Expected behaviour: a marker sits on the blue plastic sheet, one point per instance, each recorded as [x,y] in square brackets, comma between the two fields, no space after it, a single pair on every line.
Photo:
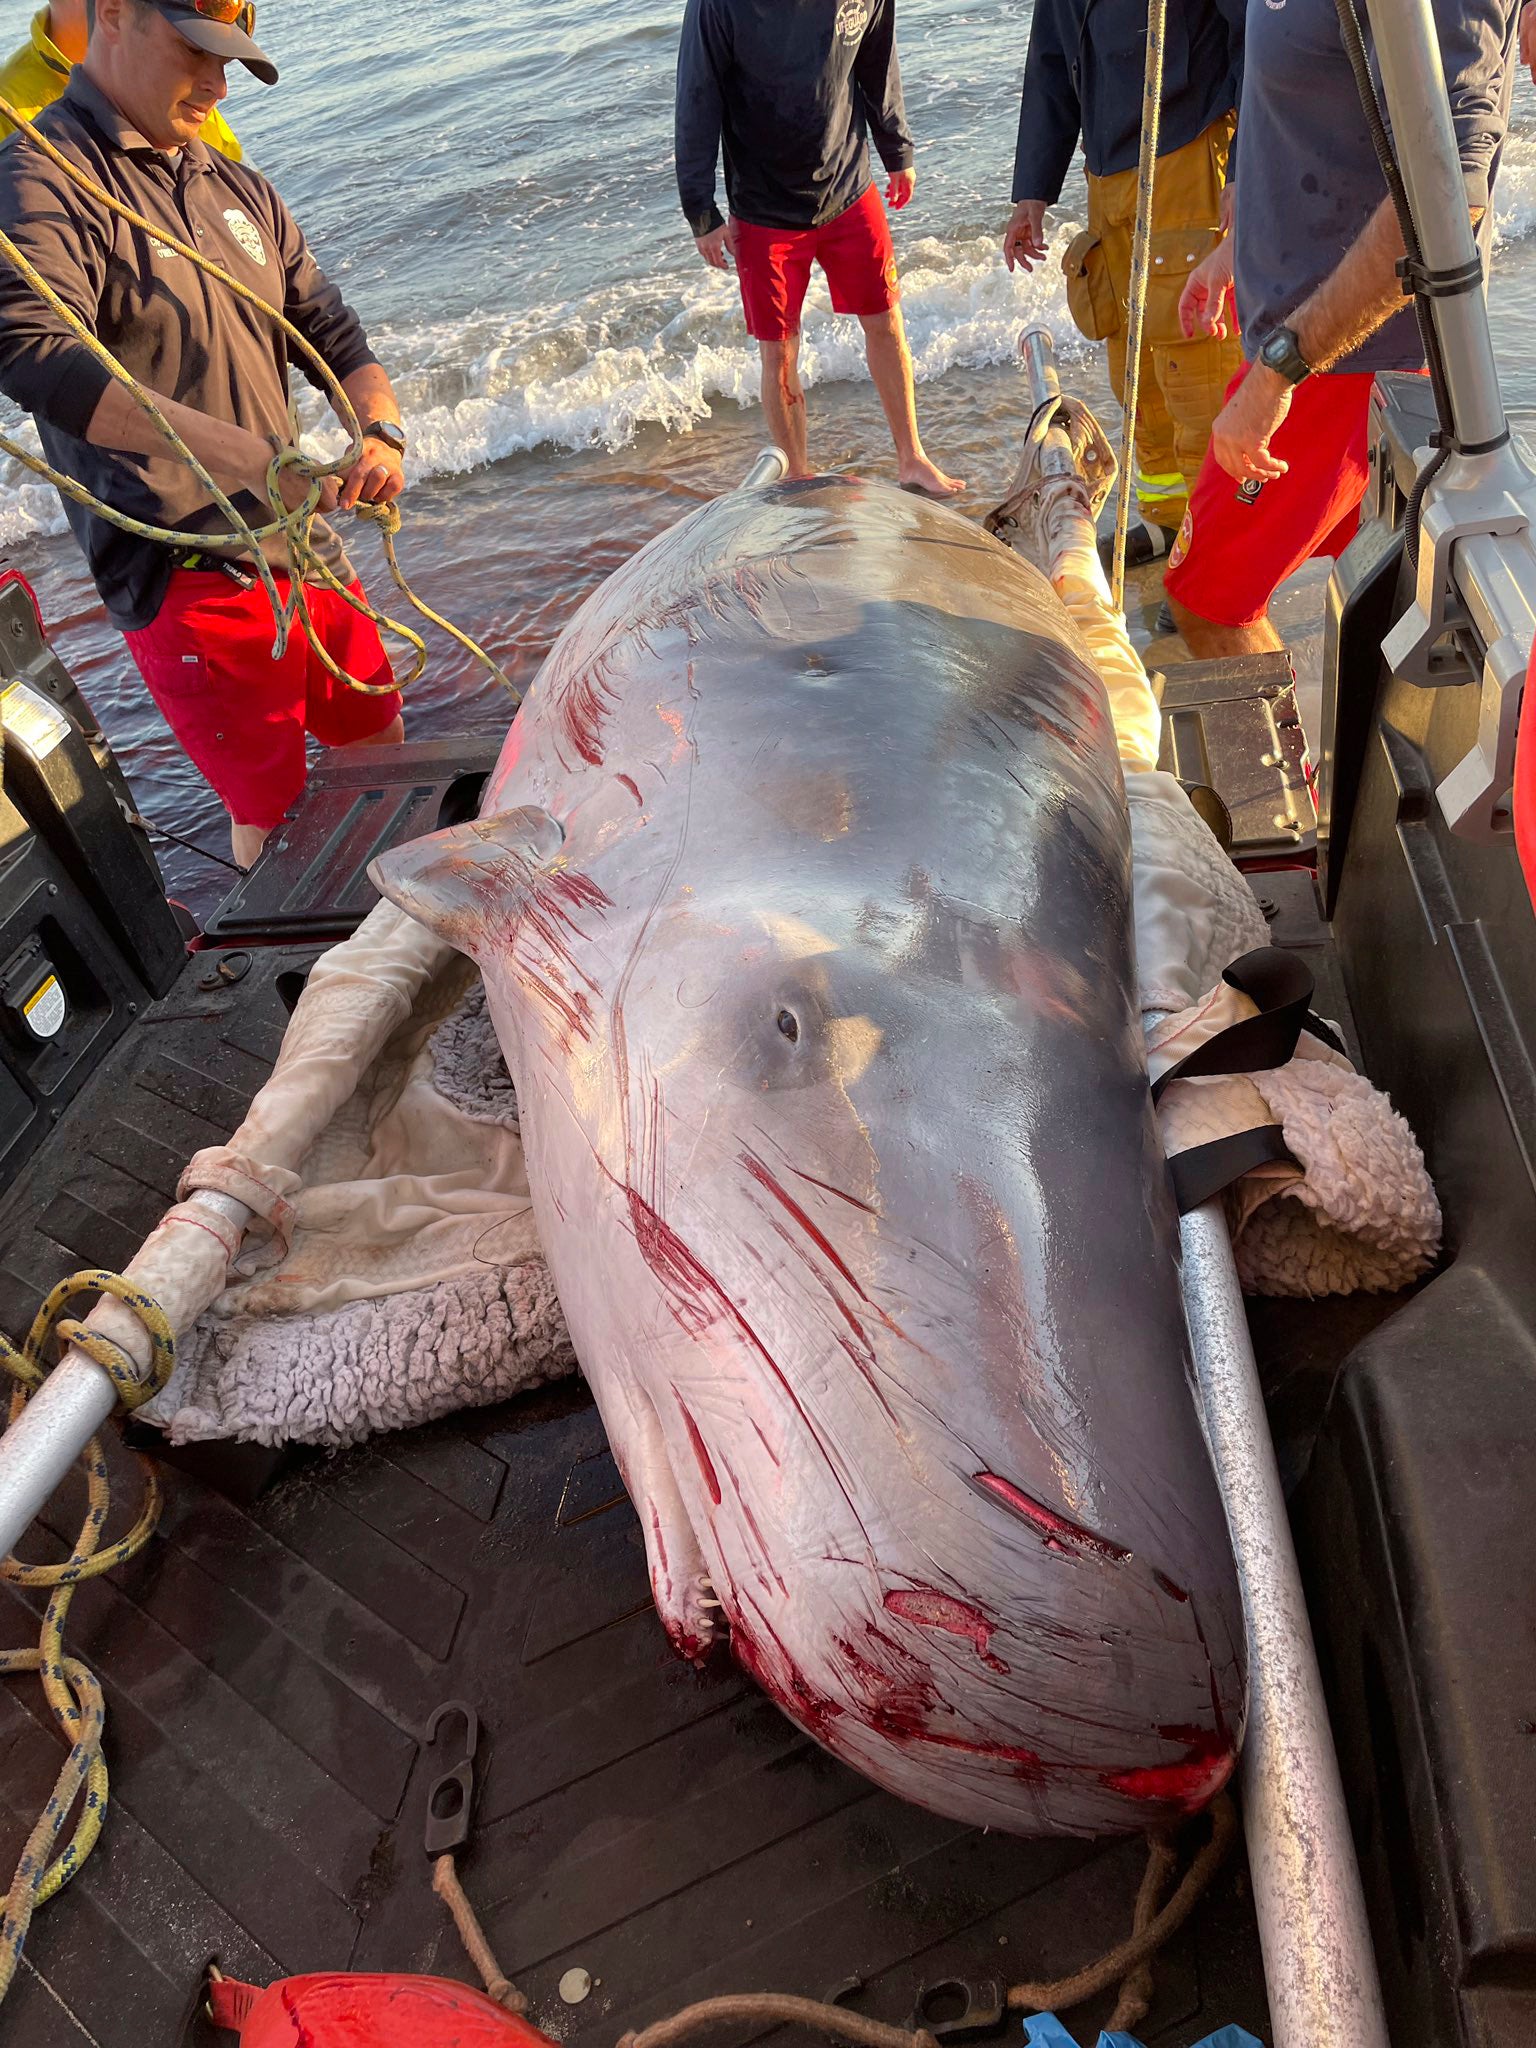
[1044,2030]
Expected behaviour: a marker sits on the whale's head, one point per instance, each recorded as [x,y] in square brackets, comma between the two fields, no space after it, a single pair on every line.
[821,1011]
[857,1210]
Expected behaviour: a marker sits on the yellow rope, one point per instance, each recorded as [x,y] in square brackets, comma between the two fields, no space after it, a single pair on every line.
[1151,118]
[293,526]
[73,1695]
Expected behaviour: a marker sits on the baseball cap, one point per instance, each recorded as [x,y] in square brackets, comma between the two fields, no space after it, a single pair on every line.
[222,28]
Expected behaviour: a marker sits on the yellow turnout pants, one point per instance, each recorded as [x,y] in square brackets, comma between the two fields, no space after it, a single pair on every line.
[1182,382]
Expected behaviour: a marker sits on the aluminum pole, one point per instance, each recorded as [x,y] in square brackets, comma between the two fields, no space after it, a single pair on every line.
[40,1446]
[1037,351]
[1318,1962]
[1413,82]
[769,468]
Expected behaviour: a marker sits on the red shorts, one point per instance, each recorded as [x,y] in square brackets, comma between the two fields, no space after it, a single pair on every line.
[1236,547]
[773,266]
[240,716]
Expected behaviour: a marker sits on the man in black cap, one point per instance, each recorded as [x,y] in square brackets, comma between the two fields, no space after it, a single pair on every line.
[199,627]
[33,76]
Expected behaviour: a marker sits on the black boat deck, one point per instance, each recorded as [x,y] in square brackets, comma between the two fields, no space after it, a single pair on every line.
[270,1669]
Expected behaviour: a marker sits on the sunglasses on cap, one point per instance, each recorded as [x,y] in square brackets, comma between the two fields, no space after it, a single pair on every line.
[240,14]
[223,29]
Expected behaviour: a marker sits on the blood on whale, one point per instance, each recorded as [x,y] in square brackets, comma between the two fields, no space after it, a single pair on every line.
[929,1608]
[1059,1532]
[701,1452]
[1189,1784]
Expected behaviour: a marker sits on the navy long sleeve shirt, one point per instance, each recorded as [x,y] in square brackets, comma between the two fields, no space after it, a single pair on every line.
[791,89]
[1083,77]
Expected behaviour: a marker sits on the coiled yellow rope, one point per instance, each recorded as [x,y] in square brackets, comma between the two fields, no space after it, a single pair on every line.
[293,526]
[73,1695]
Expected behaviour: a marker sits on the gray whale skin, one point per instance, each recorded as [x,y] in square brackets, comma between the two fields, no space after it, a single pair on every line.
[801,894]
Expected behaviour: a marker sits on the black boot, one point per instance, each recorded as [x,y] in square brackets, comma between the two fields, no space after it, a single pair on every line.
[1145,541]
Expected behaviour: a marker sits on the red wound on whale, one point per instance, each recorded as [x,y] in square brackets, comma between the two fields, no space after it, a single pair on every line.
[1188,1785]
[693,1291]
[584,705]
[1058,1531]
[929,1608]
[701,1452]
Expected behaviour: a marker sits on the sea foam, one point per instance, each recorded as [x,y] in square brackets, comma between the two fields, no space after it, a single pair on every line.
[591,373]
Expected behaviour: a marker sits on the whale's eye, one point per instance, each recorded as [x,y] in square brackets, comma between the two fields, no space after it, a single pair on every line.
[789,1024]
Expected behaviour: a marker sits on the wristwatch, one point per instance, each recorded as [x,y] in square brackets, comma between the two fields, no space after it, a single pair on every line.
[1280,351]
[391,433]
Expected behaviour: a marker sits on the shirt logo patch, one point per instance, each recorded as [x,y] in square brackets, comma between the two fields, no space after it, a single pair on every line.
[1180,547]
[246,234]
[852,19]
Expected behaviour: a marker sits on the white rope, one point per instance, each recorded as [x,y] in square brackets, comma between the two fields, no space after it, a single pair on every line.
[1151,117]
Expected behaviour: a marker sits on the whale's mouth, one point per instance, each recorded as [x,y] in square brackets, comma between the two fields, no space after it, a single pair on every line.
[682,1586]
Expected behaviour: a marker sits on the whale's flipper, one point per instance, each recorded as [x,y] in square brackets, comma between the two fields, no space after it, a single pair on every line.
[464,883]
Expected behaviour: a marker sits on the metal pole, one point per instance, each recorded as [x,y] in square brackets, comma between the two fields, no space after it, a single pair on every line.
[1318,1961]
[1038,353]
[1413,82]
[46,1438]
[40,1446]
[769,468]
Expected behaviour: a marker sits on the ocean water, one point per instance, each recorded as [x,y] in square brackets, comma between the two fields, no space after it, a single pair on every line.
[492,185]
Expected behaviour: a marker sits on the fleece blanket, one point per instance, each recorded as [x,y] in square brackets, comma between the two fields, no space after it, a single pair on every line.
[399,1276]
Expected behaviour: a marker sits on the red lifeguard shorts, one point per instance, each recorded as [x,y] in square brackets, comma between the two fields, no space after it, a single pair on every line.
[240,716]
[1237,546]
[773,267]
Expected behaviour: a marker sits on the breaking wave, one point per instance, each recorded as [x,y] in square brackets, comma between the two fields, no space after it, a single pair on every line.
[1514,193]
[592,373]
[663,352]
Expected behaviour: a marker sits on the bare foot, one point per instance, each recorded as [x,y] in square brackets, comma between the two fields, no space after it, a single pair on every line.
[928,480]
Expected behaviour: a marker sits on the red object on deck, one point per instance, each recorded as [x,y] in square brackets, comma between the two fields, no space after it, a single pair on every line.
[1525,782]
[8,576]
[339,2010]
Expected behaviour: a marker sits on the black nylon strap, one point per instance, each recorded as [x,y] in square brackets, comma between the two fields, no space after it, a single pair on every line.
[1321,1028]
[1204,1170]
[1281,985]
[1422,282]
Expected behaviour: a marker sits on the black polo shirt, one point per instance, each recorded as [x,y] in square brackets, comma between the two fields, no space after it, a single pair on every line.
[180,333]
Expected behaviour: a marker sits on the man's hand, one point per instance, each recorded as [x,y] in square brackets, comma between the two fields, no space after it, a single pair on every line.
[1528,36]
[718,246]
[1206,298]
[376,478]
[899,190]
[1241,432]
[1024,237]
[293,487]
[1226,207]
